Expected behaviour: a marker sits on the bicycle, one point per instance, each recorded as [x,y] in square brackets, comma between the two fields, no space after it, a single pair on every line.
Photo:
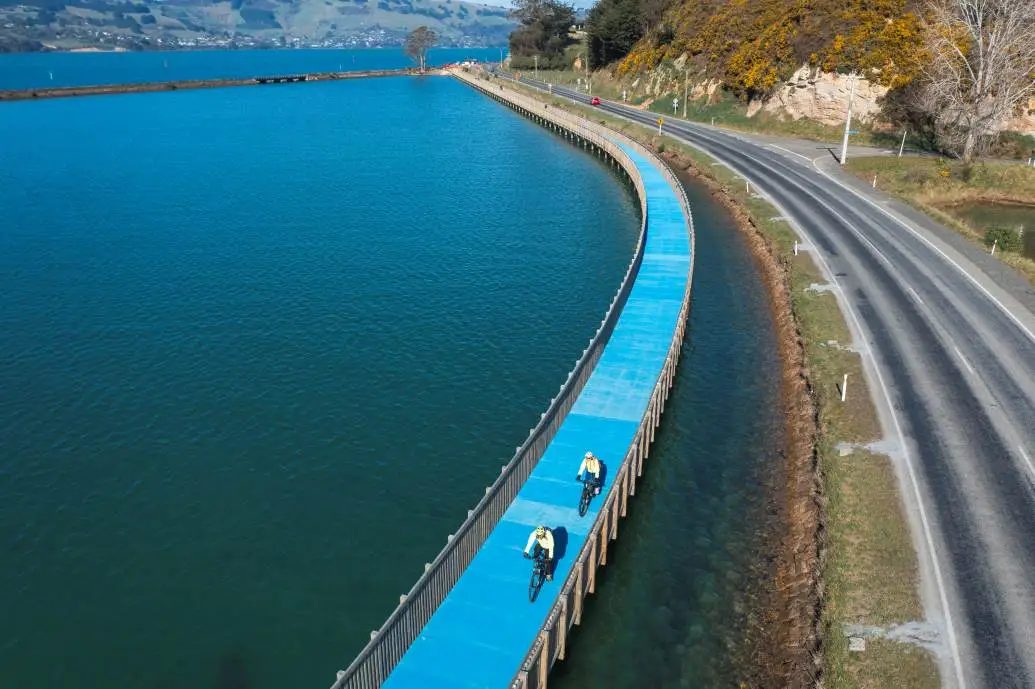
[538,574]
[589,489]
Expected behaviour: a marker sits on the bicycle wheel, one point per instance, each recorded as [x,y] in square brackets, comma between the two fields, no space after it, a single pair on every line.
[584,501]
[536,584]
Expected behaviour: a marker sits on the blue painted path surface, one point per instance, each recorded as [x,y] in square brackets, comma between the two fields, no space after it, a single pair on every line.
[480,634]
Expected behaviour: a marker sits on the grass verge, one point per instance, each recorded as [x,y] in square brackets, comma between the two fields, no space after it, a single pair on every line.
[869,567]
[936,187]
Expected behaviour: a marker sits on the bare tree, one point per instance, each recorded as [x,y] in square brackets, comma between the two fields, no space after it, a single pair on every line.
[982,66]
[417,44]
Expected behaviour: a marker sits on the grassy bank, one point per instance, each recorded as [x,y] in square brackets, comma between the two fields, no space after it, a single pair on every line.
[869,567]
[934,186]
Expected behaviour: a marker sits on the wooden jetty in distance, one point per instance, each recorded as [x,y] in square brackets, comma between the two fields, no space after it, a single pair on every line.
[108,89]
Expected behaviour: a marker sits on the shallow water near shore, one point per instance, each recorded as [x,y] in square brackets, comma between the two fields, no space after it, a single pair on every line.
[984,216]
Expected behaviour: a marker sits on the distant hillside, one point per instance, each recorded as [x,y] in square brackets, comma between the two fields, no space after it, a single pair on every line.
[166,24]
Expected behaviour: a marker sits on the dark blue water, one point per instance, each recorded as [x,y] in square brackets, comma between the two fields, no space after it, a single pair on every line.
[260,350]
[45,70]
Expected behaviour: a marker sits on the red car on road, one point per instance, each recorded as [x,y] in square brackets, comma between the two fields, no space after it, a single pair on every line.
[595,101]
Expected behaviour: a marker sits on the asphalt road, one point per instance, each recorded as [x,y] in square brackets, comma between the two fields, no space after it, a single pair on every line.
[950,355]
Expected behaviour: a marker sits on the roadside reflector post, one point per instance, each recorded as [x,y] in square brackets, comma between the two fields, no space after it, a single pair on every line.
[844,387]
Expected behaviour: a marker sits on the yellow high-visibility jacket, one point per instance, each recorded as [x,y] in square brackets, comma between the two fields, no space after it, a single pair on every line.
[592,465]
[546,543]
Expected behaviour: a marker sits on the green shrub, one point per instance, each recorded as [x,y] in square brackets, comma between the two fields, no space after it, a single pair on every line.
[1006,238]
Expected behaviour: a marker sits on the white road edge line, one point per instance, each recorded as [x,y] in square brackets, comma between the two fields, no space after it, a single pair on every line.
[950,629]
[805,158]
[1027,460]
[963,359]
[929,243]
[915,295]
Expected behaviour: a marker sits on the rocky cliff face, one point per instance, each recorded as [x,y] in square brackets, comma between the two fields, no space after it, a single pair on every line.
[1025,121]
[809,94]
[822,97]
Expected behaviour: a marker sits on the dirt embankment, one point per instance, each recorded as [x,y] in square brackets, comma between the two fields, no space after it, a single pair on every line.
[786,650]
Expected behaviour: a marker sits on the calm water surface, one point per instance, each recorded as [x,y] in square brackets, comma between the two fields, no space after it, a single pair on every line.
[44,70]
[985,216]
[260,350]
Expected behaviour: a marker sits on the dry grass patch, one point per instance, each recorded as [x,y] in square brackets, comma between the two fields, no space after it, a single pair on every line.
[876,542]
[891,664]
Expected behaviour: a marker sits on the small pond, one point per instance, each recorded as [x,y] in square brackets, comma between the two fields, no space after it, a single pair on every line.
[983,216]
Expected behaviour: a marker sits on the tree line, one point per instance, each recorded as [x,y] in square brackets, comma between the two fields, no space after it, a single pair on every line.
[542,35]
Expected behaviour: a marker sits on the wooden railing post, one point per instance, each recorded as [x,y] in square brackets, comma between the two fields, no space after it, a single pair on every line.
[625,492]
[579,592]
[562,630]
[544,659]
[593,567]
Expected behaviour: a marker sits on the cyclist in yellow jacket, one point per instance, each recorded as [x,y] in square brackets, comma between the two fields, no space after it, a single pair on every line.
[542,539]
[590,465]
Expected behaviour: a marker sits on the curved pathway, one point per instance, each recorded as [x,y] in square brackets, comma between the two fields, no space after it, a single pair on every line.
[482,632]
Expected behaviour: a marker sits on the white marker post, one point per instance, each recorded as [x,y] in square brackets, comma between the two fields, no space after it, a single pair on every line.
[874,185]
[844,387]
[848,121]
[995,243]
[902,145]
[795,247]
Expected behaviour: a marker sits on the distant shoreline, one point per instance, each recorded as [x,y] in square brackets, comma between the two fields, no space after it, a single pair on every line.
[116,49]
[110,89]
[51,48]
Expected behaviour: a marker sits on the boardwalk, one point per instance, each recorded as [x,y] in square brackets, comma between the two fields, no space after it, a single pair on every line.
[482,632]
[468,622]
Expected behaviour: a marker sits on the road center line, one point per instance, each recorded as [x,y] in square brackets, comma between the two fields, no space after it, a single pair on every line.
[805,158]
[963,359]
[1027,460]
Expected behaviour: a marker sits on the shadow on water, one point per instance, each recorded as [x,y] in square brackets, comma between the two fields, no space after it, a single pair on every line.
[232,673]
